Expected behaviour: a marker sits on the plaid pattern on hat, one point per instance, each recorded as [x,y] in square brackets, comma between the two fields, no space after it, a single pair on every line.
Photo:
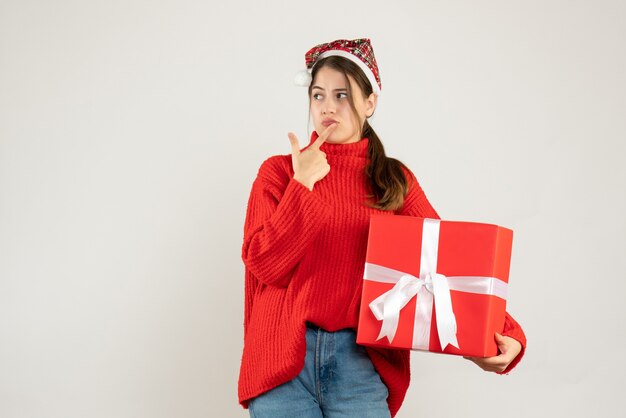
[358,50]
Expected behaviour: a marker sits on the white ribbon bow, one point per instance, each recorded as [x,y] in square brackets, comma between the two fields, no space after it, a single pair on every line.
[387,307]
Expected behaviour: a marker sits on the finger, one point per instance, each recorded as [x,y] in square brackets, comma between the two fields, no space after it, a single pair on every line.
[477,361]
[324,135]
[472,359]
[503,343]
[492,363]
[295,145]
[495,360]
[494,369]
[498,365]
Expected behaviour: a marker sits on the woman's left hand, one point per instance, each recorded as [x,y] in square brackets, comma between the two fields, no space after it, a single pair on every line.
[509,349]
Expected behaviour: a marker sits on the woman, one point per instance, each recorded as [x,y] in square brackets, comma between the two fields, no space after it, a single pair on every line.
[305,239]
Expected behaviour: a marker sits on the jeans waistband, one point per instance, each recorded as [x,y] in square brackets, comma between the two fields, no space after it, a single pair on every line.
[316,328]
[313,326]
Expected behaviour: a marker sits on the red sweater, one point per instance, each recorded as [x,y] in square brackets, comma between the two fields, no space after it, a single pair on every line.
[304,256]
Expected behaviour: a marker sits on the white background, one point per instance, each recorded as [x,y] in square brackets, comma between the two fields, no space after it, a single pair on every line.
[131,132]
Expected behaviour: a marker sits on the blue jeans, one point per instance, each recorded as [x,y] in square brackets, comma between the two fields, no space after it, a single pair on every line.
[338,381]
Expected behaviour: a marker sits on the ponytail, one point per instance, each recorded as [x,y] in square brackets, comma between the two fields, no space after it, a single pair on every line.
[387,181]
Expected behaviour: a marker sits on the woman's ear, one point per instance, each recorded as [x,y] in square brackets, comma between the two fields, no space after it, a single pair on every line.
[370,104]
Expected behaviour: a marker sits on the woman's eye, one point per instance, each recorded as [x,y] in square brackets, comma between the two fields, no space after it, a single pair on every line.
[339,95]
[316,96]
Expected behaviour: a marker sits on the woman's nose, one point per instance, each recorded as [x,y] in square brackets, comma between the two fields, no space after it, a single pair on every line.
[328,108]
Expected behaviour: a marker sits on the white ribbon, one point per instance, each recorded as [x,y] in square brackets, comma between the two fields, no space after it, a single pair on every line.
[431,287]
[387,307]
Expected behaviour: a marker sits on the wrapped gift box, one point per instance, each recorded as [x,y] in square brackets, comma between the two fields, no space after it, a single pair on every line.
[418,269]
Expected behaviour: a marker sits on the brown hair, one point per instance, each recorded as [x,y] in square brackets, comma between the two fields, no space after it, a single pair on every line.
[388,184]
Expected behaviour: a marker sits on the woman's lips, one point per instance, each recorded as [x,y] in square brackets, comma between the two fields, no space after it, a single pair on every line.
[328,122]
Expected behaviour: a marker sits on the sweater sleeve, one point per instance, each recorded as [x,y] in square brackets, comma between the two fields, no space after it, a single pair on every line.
[279,225]
[514,330]
[416,204]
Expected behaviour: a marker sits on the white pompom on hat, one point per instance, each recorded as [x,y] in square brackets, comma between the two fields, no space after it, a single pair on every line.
[359,51]
[303,78]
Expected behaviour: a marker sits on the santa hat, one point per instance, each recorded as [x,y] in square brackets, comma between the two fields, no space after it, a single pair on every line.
[358,51]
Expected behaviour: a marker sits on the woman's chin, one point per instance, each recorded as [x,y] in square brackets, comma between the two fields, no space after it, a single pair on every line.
[335,137]
[333,140]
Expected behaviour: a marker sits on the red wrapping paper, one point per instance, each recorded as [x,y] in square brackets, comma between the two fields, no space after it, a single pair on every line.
[464,249]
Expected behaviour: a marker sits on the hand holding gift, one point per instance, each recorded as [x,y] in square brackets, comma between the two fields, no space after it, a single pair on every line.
[508,347]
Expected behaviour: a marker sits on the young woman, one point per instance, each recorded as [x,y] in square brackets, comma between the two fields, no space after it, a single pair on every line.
[304,247]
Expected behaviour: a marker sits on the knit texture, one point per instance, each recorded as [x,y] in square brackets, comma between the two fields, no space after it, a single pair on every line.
[304,256]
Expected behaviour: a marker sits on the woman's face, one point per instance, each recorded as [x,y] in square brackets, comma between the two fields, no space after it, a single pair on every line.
[329,101]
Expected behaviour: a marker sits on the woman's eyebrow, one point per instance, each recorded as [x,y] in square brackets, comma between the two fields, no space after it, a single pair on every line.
[318,87]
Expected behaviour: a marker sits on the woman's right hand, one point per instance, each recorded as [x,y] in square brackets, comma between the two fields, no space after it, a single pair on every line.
[310,165]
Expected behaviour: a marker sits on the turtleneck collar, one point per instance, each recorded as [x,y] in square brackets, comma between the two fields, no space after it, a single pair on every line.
[354,149]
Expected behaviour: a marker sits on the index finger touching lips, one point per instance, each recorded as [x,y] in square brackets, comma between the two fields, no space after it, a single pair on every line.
[324,135]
